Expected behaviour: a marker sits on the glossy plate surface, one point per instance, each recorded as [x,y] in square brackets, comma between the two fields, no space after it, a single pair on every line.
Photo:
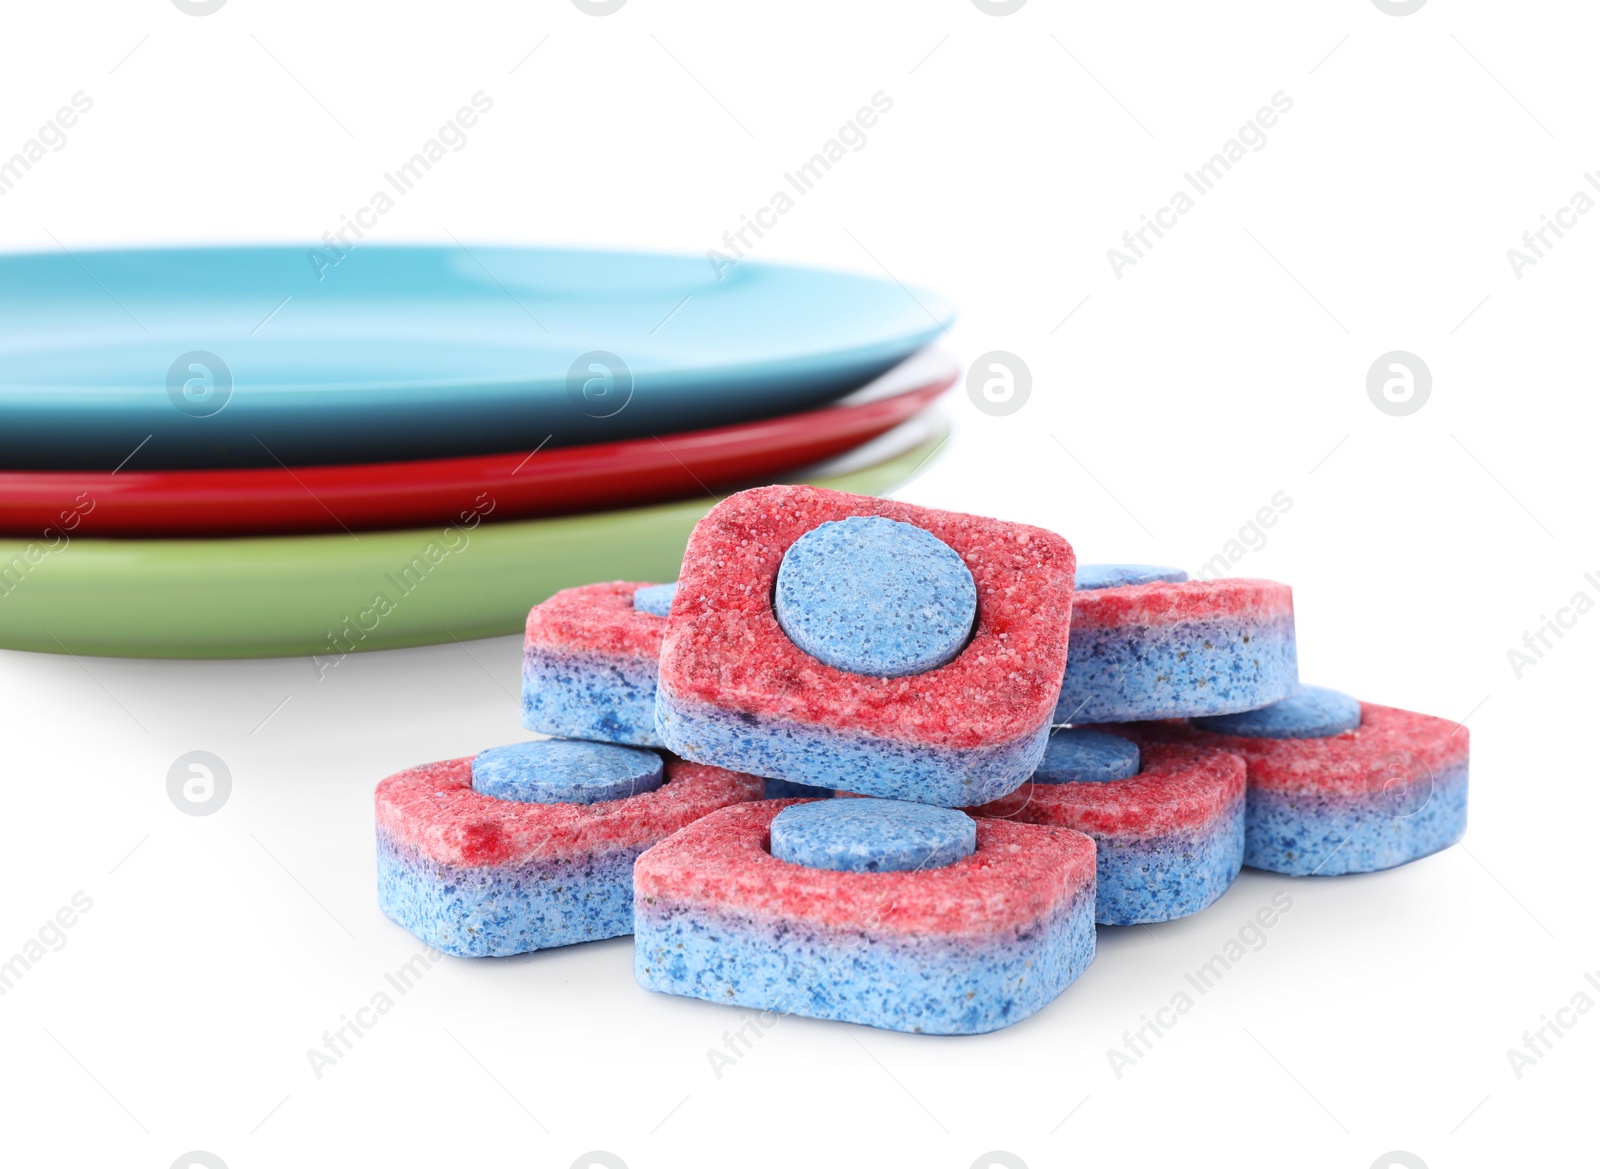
[522,484]
[255,356]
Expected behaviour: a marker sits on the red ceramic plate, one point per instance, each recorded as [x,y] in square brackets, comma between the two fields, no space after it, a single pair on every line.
[519,485]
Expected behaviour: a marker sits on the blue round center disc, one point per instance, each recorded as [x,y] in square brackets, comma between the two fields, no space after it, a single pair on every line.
[1313,712]
[565,771]
[875,596]
[1075,755]
[872,836]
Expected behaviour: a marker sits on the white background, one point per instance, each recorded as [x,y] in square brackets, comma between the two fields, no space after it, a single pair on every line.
[1172,403]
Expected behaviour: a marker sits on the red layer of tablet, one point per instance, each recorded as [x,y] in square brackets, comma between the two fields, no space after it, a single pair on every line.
[434,810]
[724,646]
[1389,744]
[1179,788]
[1166,603]
[599,618]
[1019,874]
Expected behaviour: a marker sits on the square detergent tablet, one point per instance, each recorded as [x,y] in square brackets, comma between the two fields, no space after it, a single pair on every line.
[1167,819]
[1340,786]
[530,846]
[866,645]
[901,916]
[589,662]
[1148,643]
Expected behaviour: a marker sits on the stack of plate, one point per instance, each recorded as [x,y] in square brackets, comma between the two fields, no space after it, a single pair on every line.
[231,452]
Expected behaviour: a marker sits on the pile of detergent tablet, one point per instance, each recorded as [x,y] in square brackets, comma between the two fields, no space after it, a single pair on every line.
[1036,747]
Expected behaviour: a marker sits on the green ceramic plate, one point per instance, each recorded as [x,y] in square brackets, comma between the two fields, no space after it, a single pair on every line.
[328,595]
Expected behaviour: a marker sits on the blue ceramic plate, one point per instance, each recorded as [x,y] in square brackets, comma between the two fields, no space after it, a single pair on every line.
[251,356]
